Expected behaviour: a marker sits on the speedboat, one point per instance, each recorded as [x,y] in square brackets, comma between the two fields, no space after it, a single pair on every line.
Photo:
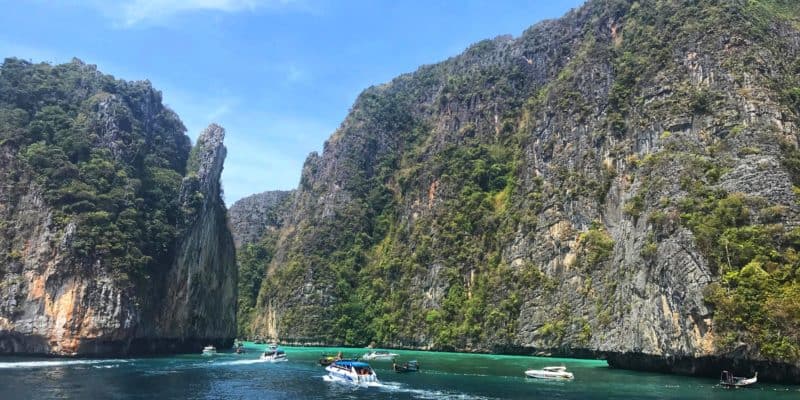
[326,360]
[379,355]
[274,354]
[411,366]
[727,379]
[352,372]
[549,373]
[238,347]
[209,350]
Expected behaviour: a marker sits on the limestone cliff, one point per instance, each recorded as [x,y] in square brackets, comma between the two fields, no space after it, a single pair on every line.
[104,249]
[256,222]
[201,299]
[252,216]
[620,183]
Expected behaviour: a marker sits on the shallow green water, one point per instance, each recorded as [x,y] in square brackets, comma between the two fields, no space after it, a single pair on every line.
[442,376]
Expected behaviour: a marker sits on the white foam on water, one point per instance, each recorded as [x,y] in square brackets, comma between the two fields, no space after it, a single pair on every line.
[105,366]
[396,387]
[429,394]
[241,362]
[435,372]
[54,363]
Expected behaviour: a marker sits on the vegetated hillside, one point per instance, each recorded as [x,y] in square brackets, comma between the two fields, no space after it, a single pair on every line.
[255,222]
[621,181]
[110,242]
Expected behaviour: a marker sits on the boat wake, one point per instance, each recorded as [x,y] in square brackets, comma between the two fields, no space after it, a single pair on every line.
[55,363]
[327,378]
[429,394]
[395,387]
[243,362]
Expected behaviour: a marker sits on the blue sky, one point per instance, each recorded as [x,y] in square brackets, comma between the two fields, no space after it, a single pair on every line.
[279,75]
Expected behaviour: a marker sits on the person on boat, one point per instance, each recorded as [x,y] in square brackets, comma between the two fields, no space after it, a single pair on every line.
[339,355]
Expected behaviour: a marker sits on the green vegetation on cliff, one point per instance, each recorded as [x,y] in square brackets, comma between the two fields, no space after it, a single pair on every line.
[107,156]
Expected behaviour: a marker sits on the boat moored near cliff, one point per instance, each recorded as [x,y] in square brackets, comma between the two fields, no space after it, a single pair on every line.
[549,373]
[728,380]
[209,350]
[379,355]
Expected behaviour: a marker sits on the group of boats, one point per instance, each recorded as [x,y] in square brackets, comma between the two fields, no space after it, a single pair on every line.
[356,371]
[359,372]
[272,354]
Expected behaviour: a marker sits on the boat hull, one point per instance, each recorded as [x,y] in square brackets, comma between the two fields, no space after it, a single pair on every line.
[411,366]
[349,376]
[379,356]
[209,351]
[538,374]
[728,380]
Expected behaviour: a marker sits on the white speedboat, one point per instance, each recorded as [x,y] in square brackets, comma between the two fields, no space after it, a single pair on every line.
[728,380]
[352,372]
[274,354]
[549,373]
[379,355]
[209,350]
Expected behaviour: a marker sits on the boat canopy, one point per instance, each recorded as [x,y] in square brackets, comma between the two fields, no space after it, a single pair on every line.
[349,363]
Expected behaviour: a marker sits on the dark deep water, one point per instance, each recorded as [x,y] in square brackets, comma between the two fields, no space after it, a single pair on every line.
[442,376]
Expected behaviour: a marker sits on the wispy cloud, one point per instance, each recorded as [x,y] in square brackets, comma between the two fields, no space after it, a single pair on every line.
[221,110]
[130,13]
[289,73]
[296,74]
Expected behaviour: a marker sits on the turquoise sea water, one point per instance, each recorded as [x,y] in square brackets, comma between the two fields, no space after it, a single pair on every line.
[442,376]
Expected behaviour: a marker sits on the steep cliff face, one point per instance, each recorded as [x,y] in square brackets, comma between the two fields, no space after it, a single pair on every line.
[251,217]
[256,223]
[201,299]
[618,182]
[99,247]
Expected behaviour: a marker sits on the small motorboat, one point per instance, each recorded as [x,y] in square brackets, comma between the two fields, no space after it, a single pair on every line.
[411,366]
[209,350]
[549,373]
[326,360]
[238,347]
[379,355]
[274,354]
[728,380]
[352,372]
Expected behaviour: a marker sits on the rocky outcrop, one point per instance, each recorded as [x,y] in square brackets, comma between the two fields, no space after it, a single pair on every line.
[620,182]
[104,250]
[252,216]
[201,299]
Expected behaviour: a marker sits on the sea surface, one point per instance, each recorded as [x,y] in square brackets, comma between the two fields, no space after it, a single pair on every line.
[442,376]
